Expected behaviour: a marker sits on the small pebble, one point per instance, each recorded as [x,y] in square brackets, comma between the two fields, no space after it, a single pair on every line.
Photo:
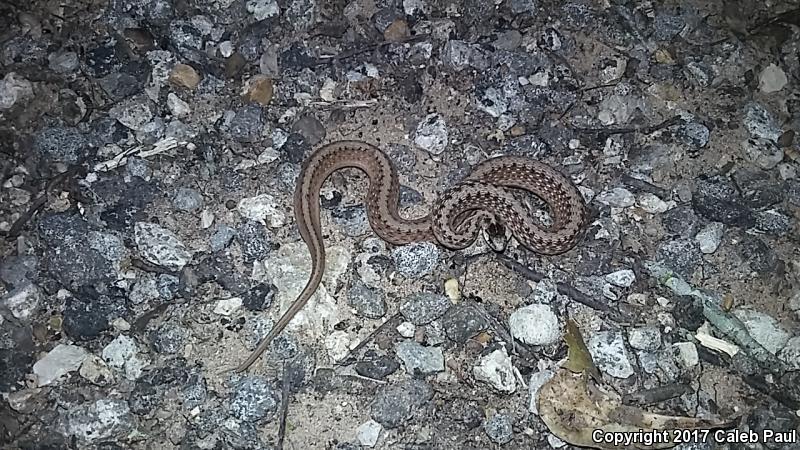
[417,358]
[497,370]
[535,325]
[184,75]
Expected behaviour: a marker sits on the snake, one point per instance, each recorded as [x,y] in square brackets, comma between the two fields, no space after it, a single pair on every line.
[484,196]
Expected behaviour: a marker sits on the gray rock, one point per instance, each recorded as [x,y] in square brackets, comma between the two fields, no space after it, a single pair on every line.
[462,322]
[376,367]
[666,26]
[221,238]
[194,393]
[609,353]
[710,237]
[762,152]
[63,62]
[62,144]
[169,338]
[395,403]
[187,199]
[367,302]
[522,6]
[535,325]
[431,134]
[255,240]
[680,255]
[421,308]
[499,429]
[254,399]
[417,358]
[773,222]
[160,246]
[310,128]
[694,134]
[718,200]
[247,124]
[645,338]
[760,123]
[134,112]
[13,89]
[17,271]
[416,260]
[759,256]
[60,361]
[103,419]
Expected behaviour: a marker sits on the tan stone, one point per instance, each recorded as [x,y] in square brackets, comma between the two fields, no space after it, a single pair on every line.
[185,76]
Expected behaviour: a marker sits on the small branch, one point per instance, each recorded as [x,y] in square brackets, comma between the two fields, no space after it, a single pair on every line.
[284,407]
[348,359]
[675,120]
[644,186]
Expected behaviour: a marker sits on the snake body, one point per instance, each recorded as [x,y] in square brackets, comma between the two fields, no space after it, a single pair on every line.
[455,221]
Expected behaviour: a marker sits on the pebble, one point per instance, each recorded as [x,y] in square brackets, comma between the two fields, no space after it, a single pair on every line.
[185,76]
[421,308]
[680,255]
[255,240]
[645,338]
[431,134]
[23,301]
[254,399]
[259,89]
[134,113]
[687,355]
[397,31]
[14,88]
[762,152]
[123,353]
[87,316]
[760,123]
[102,420]
[18,271]
[617,197]
[773,222]
[497,370]
[247,124]
[368,433]
[651,204]
[160,246]
[621,278]
[709,238]
[63,62]
[370,303]
[394,403]
[764,329]
[60,361]
[535,325]
[95,370]
[416,260]
[262,207]
[377,368]
[538,379]
[790,354]
[718,200]
[312,130]
[462,322]
[228,306]
[499,428]
[187,199]
[61,144]
[417,358]
[772,79]
[609,353]
[178,107]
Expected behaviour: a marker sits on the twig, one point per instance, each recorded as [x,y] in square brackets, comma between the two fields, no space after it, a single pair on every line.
[345,104]
[121,159]
[347,360]
[675,120]
[562,288]
[284,407]
[644,186]
[366,48]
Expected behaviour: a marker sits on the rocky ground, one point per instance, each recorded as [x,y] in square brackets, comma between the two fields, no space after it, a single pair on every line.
[150,148]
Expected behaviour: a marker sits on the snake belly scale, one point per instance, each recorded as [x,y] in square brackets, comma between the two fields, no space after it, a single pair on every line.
[456,219]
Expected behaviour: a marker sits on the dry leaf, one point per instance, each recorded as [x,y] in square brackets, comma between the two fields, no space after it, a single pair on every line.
[578,357]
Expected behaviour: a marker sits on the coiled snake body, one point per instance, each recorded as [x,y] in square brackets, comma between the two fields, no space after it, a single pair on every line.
[457,216]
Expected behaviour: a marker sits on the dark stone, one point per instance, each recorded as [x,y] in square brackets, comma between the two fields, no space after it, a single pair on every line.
[758,255]
[87,314]
[718,200]
[259,297]
[376,367]
[394,403]
[461,322]
[295,148]
[680,221]
[255,241]
[681,255]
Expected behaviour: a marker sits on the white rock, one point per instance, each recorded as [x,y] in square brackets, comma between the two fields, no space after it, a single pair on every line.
[96,371]
[710,237]
[23,301]
[123,353]
[617,197]
[609,354]
[621,278]
[14,88]
[20,400]
[431,134]
[368,433]
[651,203]
[538,379]
[262,207]
[160,246]
[790,354]
[496,370]
[338,345]
[226,49]
[262,9]
[178,107]
[406,329]
[772,79]
[60,361]
[687,354]
[764,329]
[227,306]
[535,325]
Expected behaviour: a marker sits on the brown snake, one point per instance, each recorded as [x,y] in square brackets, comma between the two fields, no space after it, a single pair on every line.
[458,215]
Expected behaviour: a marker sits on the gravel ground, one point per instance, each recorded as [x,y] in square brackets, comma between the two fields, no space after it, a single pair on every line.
[148,153]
